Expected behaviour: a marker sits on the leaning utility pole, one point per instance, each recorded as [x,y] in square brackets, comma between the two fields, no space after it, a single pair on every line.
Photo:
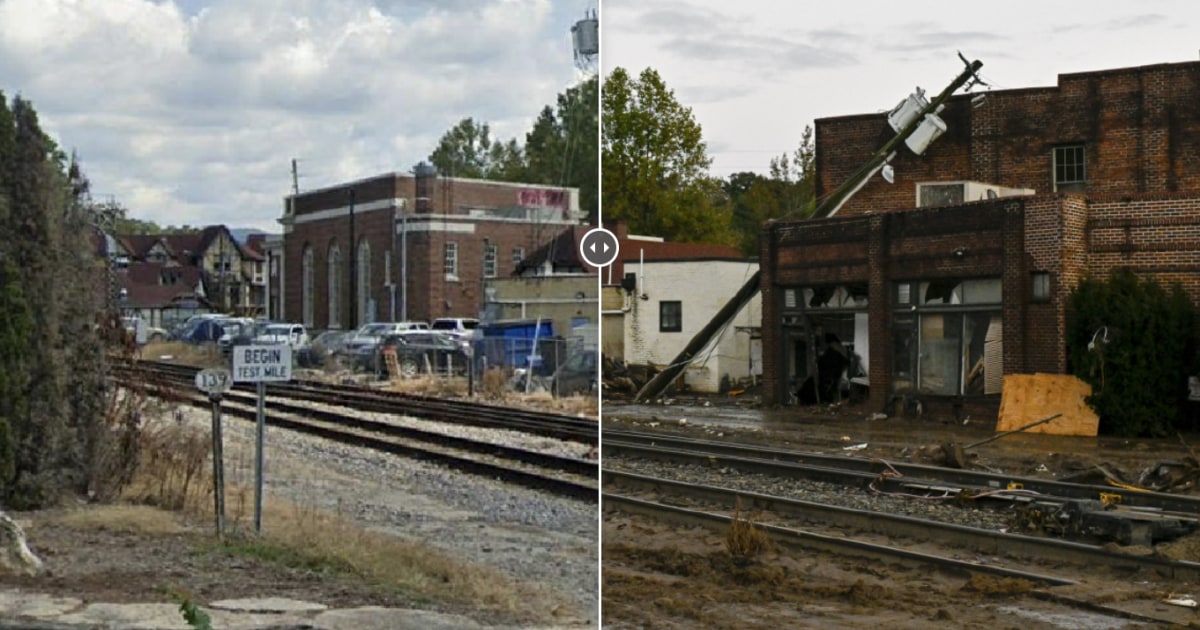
[832,203]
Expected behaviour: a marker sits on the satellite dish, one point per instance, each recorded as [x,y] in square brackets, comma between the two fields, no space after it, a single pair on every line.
[889,174]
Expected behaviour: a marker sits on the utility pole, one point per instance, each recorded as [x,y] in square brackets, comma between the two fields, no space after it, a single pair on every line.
[838,197]
[832,203]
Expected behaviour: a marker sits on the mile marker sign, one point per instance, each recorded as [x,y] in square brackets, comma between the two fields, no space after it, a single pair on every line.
[258,364]
[214,381]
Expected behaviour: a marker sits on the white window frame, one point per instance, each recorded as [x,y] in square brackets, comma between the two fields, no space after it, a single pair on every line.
[450,260]
[1074,172]
[362,277]
[491,254]
[307,272]
[333,267]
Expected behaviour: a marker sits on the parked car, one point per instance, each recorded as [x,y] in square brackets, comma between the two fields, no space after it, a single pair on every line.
[239,331]
[186,328]
[293,335]
[359,350]
[579,374]
[418,352]
[206,330]
[321,348]
[141,331]
[460,327]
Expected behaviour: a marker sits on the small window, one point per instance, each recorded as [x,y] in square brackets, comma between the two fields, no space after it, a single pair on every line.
[1070,168]
[670,316]
[518,255]
[450,260]
[1041,286]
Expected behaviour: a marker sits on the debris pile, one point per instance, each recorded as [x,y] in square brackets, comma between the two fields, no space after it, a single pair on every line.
[623,378]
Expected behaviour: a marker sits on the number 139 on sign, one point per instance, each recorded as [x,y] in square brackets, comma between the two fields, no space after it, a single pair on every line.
[214,381]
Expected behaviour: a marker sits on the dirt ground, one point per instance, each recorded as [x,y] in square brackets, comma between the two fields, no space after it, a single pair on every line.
[156,553]
[659,576]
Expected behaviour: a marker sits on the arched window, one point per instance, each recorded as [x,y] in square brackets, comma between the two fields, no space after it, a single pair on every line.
[363,291]
[306,274]
[334,267]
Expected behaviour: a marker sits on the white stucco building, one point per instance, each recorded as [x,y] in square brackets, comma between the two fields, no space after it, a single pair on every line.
[666,293]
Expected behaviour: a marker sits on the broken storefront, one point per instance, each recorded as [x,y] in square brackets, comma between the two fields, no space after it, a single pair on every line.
[905,308]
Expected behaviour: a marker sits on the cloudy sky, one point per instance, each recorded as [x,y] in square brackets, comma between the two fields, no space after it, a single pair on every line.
[755,72]
[190,111]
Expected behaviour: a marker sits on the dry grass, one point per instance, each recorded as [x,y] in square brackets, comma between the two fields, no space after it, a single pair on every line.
[745,539]
[427,385]
[176,472]
[173,467]
[136,519]
[205,355]
[493,384]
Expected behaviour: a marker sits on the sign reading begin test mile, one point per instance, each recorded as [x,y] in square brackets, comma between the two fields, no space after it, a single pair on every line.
[252,364]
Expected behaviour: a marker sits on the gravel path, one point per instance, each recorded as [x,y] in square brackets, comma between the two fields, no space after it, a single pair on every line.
[532,536]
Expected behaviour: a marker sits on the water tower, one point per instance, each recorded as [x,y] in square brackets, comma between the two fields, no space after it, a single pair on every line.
[585,37]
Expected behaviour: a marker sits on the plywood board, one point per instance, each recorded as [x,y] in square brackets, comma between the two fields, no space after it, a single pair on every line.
[993,358]
[1031,397]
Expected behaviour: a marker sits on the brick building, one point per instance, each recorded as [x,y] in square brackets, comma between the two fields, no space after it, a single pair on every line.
[416,247]
[937,285]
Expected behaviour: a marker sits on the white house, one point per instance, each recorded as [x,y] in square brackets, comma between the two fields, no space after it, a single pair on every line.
[667,293]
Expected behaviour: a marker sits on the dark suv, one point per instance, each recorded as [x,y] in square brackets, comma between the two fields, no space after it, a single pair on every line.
[422,352]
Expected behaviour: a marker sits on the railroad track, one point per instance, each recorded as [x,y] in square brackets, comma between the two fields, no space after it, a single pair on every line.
[1066,572]
[565,476]
[1121,514]
[557,426]
[1075,576]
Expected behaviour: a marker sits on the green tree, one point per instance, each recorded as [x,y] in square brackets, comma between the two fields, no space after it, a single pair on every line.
[796,178]
[1134,343]
[468,150]
[561,149]
[787,191]
[53,387]
[655,173]
[16,323]
[35,196]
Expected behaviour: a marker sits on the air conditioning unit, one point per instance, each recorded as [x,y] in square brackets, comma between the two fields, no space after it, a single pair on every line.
[959,192]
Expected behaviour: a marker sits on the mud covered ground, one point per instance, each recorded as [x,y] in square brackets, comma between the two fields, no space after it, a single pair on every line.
[659,576]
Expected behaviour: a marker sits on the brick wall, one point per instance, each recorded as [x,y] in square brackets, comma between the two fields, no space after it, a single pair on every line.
[880,250]
[1067,236]
[378,202]
[1140,127]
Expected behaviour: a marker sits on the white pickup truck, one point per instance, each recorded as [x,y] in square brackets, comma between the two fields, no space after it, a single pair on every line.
[293,335]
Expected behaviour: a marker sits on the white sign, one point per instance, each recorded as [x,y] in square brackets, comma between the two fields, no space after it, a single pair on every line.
[214,381]
[253,364]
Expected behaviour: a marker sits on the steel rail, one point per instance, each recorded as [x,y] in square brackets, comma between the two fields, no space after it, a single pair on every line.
[849,547]
[625,441]
[572,478]
[1016,547]
[558,426]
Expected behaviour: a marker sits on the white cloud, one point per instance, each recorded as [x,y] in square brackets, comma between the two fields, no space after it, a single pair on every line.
[190,112]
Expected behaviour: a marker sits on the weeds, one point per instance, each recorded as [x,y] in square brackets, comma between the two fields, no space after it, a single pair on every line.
[745,539]
[175,473]
[193,615]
